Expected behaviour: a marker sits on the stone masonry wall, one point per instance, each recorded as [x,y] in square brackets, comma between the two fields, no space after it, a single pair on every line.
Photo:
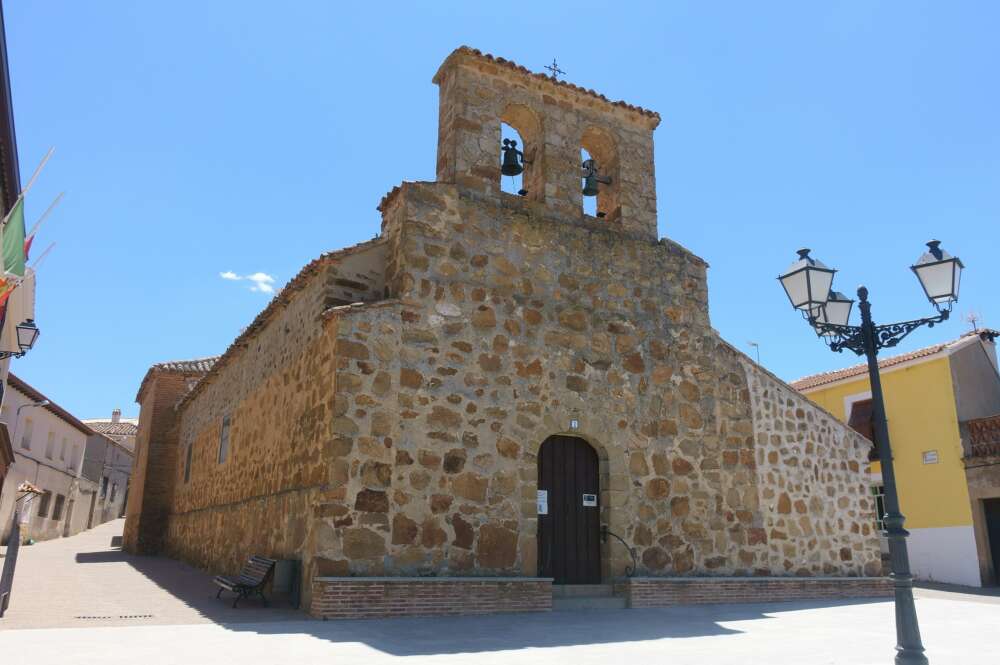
[509,327]
[152,483]
[818,513]
[276,386]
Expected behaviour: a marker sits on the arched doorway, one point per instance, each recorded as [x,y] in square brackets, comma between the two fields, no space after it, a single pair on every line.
[569,523]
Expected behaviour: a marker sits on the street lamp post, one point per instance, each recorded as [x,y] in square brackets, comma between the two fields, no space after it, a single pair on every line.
[807,284]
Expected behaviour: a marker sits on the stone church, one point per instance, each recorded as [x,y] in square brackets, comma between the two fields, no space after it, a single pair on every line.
[501,392]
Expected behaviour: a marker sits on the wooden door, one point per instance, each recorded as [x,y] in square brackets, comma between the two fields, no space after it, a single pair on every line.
[991,507]
[569,548]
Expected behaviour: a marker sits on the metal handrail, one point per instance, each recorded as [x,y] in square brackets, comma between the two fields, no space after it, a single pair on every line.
[629,570]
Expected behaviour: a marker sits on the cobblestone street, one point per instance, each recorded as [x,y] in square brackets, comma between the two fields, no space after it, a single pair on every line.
[79,596]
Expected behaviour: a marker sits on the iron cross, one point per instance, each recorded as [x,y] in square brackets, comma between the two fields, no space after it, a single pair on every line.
[554,69]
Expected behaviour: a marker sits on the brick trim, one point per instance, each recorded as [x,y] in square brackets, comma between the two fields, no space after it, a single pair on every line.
[378,597]
[665,591]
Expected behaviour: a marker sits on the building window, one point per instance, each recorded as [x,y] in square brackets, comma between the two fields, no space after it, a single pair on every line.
[861,420]
[43,504]
[187,463]
[104,487]
[62,451]
[58,508]
[114,490]
[29,426]
[878,494]
[50,445]
[73,452]
[224,440]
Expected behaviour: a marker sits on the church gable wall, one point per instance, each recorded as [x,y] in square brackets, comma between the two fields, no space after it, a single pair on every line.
[510,328]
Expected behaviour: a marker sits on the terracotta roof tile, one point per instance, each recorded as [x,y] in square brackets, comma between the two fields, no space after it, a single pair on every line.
[121,428]
[193,365]
[823,378]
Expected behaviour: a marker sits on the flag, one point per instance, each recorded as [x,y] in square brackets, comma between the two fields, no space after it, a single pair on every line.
[13,240]
[27,245]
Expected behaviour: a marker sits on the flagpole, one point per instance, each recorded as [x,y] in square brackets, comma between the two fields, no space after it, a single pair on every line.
[34,177]
[45,214]
[34,266]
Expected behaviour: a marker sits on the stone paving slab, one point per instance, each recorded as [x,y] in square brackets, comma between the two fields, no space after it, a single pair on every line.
[61,580]
[83,581]
[855,633]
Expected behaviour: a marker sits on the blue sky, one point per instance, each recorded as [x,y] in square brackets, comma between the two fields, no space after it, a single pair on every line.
[197,138]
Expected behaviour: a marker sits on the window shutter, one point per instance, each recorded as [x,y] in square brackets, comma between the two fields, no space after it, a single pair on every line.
[861,421]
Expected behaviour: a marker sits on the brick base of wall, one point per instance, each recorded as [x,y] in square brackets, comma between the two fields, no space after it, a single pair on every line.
[373,597]
[664,591]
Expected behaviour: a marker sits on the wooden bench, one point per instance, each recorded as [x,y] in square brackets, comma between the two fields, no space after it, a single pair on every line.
[256,573]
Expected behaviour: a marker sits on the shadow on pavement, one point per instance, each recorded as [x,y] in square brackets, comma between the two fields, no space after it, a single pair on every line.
[450,634]
[470,634]
[194,588]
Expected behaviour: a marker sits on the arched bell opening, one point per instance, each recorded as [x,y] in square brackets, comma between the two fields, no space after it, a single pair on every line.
[511,161]
[570,508]
[600,174]
[520,124]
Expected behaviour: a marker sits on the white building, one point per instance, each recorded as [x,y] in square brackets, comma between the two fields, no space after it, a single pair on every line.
[49,445]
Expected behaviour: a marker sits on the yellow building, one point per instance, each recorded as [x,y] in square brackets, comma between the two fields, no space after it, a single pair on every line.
[930,394]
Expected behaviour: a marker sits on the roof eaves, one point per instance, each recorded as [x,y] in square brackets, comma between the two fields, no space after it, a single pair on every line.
[33,393]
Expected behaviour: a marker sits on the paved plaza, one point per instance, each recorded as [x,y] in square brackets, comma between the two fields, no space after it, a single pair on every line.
[78,599]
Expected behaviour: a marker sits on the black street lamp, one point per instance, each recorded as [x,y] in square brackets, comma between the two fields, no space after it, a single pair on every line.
[27,334]
[807,284]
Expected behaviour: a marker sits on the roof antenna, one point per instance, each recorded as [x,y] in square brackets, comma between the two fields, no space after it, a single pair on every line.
[973,319]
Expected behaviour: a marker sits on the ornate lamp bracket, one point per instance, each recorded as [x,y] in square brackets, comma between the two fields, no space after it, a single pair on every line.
[887,336]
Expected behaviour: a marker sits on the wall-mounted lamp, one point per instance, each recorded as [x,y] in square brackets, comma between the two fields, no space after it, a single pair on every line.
[27,335]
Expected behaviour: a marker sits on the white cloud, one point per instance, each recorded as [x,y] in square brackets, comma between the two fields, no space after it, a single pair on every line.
[261,281]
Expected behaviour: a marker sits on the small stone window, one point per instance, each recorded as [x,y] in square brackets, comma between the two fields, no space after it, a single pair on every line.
[57,510]
[50,445]
[224,440]
[187,463]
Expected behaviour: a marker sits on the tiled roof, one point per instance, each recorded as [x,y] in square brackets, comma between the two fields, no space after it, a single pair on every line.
[120,428]
[193,365]
[503,62]
[823,378]
[35,395]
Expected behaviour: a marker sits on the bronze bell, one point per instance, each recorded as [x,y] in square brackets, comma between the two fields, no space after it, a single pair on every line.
[591,179]
[512,158]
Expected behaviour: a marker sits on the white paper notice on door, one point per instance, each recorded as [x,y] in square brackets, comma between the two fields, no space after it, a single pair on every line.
[589,500]
[543,502]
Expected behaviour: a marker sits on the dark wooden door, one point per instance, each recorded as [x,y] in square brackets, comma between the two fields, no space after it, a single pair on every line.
[992,509]
[569,548]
